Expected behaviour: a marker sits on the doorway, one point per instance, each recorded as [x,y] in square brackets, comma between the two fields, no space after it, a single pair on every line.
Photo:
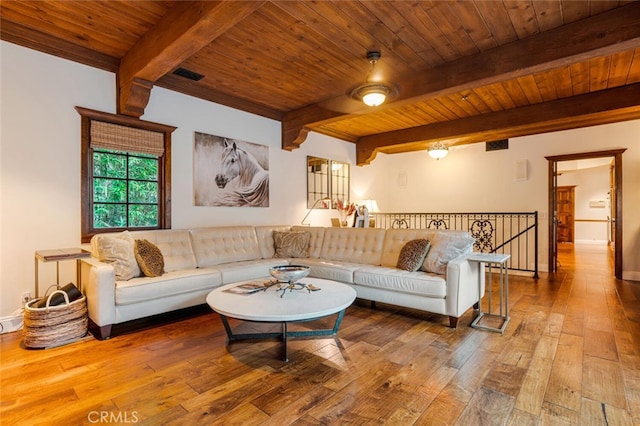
[615,197]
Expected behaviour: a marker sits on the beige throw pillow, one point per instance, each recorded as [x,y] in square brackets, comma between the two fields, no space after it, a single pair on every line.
[149,258]
[291,243]
[412,255]
[116,249]
[445,248]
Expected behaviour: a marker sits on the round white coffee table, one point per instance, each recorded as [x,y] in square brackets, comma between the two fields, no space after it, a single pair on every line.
[275,306]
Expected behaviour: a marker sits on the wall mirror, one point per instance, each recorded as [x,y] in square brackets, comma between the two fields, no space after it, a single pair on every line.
[317,182]
[339,186]
[326,179]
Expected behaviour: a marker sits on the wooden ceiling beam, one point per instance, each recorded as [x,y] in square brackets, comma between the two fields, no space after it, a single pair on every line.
[607,33]
[180,33]
[177,84]
[603,107]
[22,35]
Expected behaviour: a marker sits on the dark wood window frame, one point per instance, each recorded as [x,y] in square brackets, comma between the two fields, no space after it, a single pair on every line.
[86,173]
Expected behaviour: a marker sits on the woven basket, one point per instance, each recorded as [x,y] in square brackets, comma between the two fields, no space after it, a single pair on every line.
[54,325]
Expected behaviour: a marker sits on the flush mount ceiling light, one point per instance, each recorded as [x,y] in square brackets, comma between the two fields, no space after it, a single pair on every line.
[438,150]
[372,93]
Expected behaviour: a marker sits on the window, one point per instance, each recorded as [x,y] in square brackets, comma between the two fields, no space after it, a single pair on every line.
[125,190]
[126,170]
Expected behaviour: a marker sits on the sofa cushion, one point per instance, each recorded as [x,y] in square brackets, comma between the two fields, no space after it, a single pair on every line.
[419,283]
[149,258]
[169,284]
[265,239]
[444,248]
[291,244]
[116,249]
[175,245]
[248,269]
[412,254]
[330,269]
[214,246]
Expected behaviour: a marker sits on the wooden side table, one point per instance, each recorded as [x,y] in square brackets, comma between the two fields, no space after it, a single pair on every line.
[500,260]
[59,255]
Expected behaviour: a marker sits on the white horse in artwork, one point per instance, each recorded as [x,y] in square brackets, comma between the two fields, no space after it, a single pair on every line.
[251,180]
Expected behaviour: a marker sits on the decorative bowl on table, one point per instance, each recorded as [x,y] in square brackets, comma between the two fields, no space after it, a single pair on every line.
[289,273]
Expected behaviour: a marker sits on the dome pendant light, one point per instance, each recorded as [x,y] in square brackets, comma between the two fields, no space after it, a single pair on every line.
[372,93]
[438,150]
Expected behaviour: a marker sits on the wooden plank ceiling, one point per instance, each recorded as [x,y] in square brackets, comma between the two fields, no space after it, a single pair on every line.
[464,72]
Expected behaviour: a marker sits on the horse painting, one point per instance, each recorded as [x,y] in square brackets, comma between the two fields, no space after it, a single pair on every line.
[239,179]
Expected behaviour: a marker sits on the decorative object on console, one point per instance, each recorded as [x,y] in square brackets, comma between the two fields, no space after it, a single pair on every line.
[240,170]
[362,217]
[149,258]
[291,243]
[438,150]
[413,254]
[344,211]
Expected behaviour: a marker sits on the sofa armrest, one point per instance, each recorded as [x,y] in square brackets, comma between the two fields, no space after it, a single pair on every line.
[99,286]
[462,285]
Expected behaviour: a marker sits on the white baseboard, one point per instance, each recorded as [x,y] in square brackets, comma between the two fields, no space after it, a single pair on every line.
[592,242]
[631,275]
[11,323]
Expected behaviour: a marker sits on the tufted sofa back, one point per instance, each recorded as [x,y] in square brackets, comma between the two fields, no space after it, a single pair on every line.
[317,237]
[395,239]
[175,245]
[360,245]
[213,246]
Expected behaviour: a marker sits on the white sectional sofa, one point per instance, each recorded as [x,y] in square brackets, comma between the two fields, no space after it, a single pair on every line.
[200,259]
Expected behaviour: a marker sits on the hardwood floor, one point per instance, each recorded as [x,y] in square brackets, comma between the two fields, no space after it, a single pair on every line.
[570,355]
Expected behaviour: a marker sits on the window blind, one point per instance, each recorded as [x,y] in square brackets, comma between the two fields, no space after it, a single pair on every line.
[123,138]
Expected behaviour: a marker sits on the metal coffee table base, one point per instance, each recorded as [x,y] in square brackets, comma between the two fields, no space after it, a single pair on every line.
[284,334]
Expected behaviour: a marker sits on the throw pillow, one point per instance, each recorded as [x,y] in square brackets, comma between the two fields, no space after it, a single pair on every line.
[412,255]
[116,249]
[291,243]
[149,258]
[445,248]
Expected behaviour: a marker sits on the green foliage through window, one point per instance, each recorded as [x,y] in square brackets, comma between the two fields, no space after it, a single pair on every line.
[125,190]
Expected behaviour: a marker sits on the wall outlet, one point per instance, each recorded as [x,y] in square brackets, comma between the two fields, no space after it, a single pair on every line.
[26,296]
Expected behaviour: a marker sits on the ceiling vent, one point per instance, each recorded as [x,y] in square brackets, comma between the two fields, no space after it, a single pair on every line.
[497,145]
[191,75]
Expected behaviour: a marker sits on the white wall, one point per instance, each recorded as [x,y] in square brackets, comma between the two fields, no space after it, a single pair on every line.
[40,167]
[40,162]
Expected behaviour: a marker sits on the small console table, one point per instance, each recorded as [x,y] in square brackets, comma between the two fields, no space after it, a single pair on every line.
[58,255]
[500,260]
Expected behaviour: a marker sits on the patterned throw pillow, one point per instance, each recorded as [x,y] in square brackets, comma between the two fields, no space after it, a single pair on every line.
[445,248]
[412,255]
[149,258]
[291,243]
[116,249]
